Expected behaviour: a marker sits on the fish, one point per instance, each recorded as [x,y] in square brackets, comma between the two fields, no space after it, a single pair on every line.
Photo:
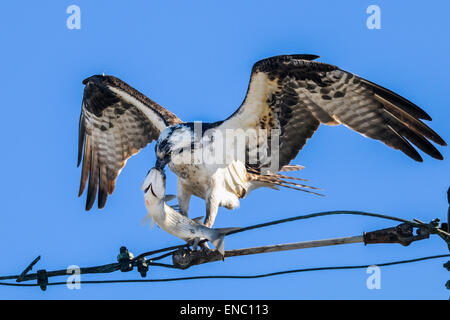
[173,222]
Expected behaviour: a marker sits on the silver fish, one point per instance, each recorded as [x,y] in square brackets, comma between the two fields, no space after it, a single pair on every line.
[173,222]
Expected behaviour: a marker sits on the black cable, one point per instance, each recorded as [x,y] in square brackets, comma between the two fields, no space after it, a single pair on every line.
[321,214]
[149,253]
[236,277]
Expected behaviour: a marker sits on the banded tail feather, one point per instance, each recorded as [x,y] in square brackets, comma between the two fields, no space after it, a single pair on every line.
[273,180]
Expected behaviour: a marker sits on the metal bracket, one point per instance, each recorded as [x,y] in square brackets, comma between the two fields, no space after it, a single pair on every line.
[402,234]
[184,258]
[434,228]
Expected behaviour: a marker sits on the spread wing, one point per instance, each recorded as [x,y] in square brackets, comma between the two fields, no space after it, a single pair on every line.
[295,95]
[116,122]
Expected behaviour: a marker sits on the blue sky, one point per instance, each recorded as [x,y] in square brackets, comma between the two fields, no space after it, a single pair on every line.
[195,57]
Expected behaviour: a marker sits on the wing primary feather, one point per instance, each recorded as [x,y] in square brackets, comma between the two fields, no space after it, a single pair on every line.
[409,121]
[402,144]
[417,139]
[111,186]
[86,165]
[405,104]
[93,181]
[103,185]
[81,135]
[422,143]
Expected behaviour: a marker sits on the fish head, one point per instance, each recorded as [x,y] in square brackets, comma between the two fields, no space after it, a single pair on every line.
[155,183]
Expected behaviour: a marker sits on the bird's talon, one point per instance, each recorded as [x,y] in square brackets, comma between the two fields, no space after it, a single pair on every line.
[194,243]
[204,247]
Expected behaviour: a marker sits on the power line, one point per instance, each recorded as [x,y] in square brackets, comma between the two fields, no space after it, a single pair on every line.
[402,234]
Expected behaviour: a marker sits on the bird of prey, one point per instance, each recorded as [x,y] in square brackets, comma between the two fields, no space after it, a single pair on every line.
[289,94]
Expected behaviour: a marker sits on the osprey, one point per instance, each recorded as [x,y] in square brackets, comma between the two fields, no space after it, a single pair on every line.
[290,95]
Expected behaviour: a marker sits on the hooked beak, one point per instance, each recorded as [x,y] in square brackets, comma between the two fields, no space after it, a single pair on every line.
[161,163]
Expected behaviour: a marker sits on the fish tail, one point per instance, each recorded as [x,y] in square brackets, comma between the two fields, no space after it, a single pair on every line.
[219,243]
[219,238]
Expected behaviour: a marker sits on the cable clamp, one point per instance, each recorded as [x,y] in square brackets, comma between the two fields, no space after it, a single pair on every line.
[124,258]
[142,266]
[42,279]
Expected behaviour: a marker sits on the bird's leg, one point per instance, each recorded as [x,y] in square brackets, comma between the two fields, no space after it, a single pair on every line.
[183,196]
[195,243]
[212,206]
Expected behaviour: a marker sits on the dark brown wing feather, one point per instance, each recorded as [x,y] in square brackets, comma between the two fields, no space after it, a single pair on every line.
[116,122]
[294,94]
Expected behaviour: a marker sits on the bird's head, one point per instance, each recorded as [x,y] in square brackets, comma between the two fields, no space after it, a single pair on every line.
[155,183]
[172,142]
